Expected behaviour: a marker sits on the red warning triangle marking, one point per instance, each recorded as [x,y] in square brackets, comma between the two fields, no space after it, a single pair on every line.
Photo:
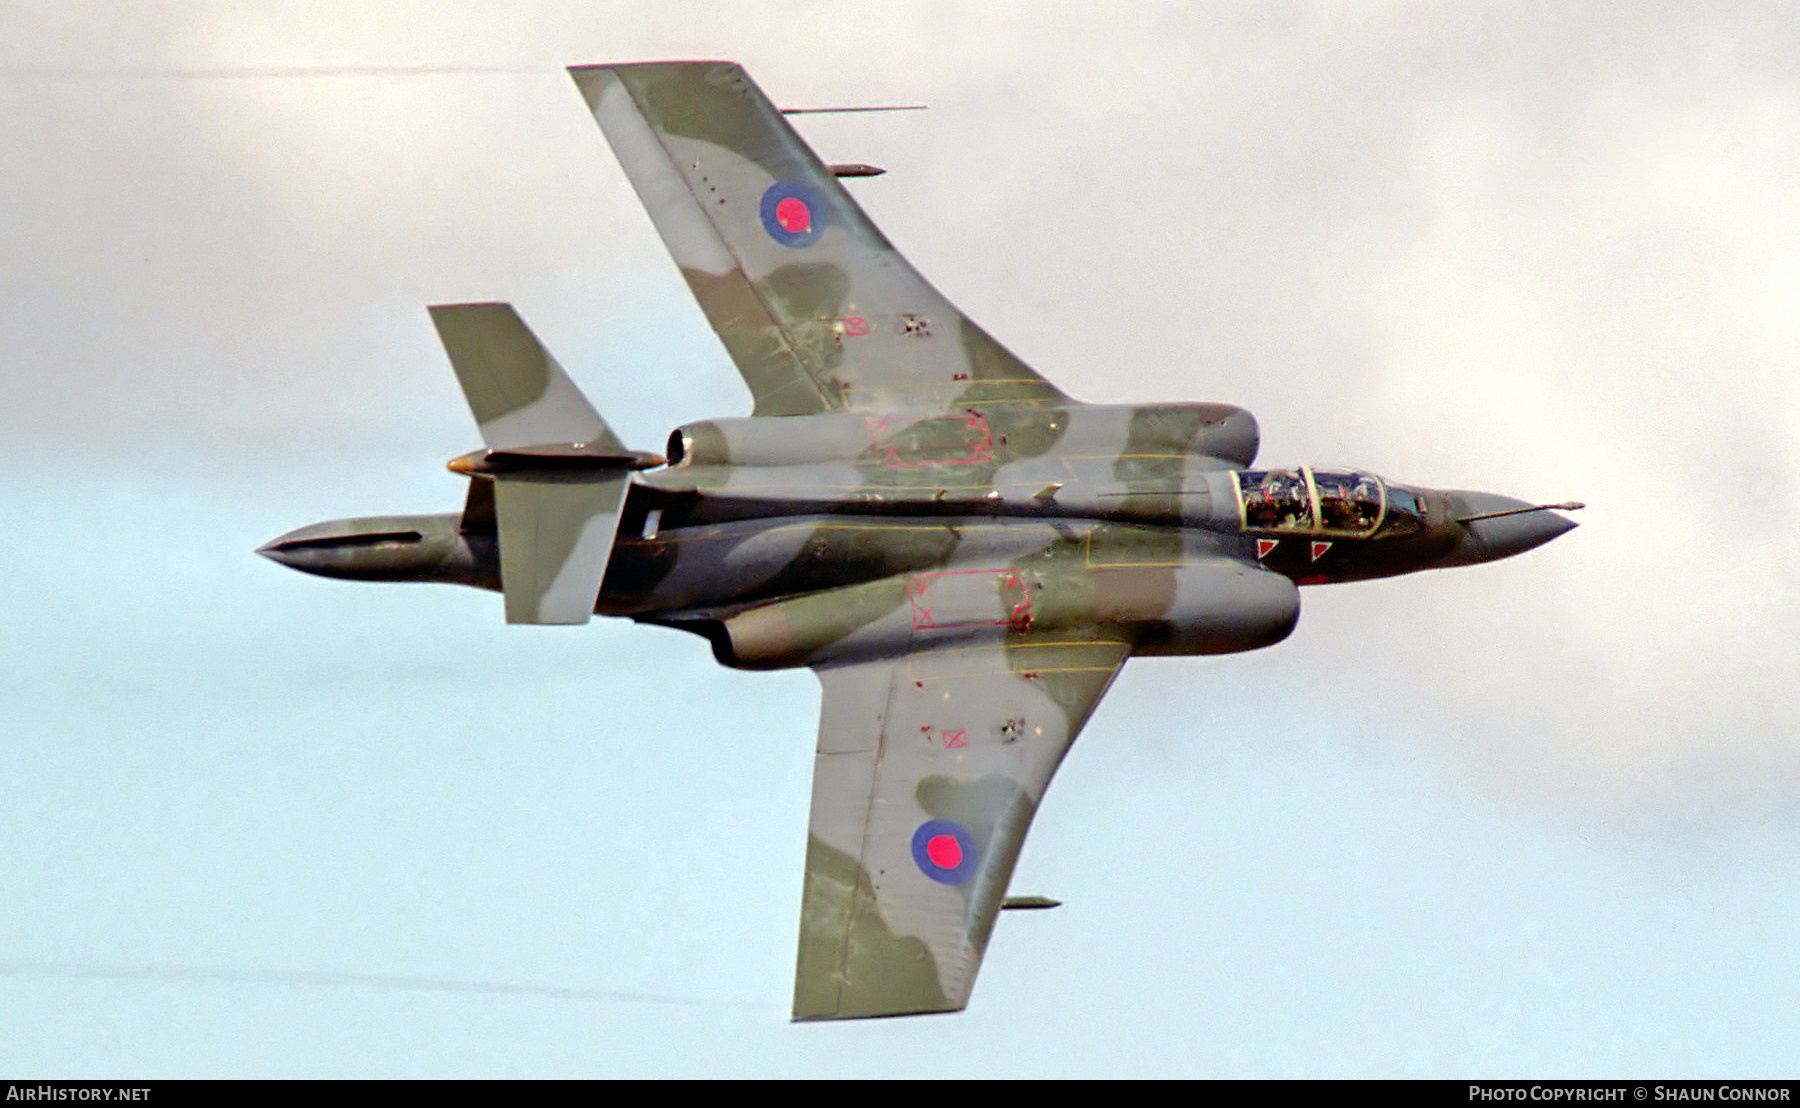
[1319,549]
[1263,546]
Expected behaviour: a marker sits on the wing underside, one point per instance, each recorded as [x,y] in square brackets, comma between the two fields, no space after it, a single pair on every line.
[929,770]
[816,308]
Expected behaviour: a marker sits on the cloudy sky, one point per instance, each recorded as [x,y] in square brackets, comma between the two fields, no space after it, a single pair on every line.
[1536,817]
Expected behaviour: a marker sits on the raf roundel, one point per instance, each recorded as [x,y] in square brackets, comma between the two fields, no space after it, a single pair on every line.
[944,852]
[793,214]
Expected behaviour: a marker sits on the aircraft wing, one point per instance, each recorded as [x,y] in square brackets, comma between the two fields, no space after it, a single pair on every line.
[817,309]
[929,769]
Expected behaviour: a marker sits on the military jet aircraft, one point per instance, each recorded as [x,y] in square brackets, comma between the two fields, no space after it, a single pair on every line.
[964,554]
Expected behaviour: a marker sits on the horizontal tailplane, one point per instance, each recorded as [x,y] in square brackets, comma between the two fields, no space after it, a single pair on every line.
[559,474]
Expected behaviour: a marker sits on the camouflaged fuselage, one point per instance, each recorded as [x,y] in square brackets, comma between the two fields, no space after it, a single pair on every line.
[1081,535]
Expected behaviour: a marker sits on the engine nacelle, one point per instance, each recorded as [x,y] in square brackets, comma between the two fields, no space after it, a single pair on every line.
[1221,431]
[853,623]
[998,434]
[1213,606]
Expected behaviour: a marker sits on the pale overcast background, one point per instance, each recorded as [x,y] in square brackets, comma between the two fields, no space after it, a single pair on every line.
[1537,818]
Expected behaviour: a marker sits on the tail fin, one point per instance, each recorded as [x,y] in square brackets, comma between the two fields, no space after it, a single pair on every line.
[556,523]
[555,541]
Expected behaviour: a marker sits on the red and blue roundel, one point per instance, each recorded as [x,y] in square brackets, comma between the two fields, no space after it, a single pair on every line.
[944,852]
[793,214]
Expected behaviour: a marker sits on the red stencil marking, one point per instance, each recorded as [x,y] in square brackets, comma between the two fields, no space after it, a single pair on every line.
[954,740]
[981,439]
[968,597]
[978,440]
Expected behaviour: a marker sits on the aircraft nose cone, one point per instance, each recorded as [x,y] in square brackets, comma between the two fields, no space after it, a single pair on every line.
[1521,528]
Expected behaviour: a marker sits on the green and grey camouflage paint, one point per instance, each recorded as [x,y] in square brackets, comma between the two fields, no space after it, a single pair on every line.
[964,554]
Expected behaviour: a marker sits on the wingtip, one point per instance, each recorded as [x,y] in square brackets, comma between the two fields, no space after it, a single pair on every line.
[838,1017]
[439,309]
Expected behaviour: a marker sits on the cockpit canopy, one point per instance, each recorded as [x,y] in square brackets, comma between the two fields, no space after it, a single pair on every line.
[1305,501]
